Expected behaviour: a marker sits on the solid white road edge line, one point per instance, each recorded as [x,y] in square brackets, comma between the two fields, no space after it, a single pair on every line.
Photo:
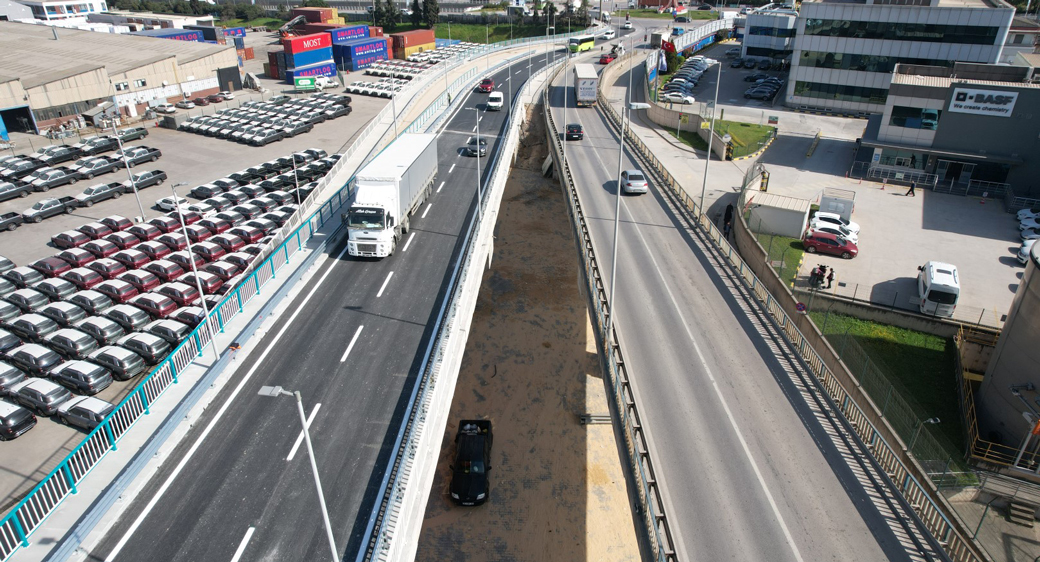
[383,288]
[242,545]
[216,419]
[426,211]
[299,439]
[350,346]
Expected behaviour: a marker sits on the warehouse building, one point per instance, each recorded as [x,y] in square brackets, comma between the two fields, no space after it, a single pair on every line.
[11,10]
[147,20]
[970,128]
[50,75]
[845,50]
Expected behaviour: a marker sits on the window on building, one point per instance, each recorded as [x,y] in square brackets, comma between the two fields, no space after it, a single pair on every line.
[770,31]
[1018,39]
[896,31]
[863,63]
[122,86]
[140,83]
[840,92]
[770,53]
[914,117]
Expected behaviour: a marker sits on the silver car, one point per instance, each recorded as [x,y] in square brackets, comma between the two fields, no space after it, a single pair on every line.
[633,181]
[84,412]
[81,377]
[40,396]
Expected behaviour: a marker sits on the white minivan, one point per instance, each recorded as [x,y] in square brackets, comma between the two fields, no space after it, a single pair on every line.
[495,101]
[939,288]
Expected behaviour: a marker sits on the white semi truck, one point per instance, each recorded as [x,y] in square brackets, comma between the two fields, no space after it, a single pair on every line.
[387,191]
[586,84]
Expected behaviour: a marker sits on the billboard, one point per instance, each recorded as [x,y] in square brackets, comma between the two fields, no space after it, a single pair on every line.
[997,103]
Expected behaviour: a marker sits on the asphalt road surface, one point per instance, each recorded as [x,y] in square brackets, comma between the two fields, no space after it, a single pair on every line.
[352,344]
[748,469]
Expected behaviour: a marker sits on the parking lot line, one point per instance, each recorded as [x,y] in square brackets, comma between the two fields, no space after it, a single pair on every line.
[299,439]
[357,333]
[383,288]
[242,545]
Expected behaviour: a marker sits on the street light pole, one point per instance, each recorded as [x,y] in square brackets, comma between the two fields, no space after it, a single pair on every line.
[279,391]
[617,205]
[711,136]
[126,164]
[487,48]
[479,212]
[393,100]
[195,272]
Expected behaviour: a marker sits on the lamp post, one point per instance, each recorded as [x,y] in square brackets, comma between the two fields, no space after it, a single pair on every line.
[711,135]
[487,48]
[126,164]
[477,114]
[920,426]
[445,66]
[195,272]
[617,205]
[296,180]
[393,100]
[279,391]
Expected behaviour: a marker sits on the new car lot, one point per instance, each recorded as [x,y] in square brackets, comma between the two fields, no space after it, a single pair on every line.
[261,123]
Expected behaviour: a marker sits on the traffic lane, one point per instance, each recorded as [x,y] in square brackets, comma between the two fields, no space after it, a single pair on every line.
[645,217]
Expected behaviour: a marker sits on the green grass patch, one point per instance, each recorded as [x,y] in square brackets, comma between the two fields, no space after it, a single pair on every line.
[785,254]
[747,137]
[268,22]
[475,33]
[919,367]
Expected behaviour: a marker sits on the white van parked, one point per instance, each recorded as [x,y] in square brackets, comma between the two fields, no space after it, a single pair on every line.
[939,288]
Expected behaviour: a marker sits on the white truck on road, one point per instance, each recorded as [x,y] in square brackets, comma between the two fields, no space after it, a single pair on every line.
[387,191]
[586,84]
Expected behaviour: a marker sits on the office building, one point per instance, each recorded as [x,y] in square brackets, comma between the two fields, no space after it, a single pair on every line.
[845,50]
[769,33]
[49,10]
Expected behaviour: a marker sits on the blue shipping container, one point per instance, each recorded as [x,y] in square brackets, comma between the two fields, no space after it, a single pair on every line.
[279,57]
[235,32]
[345,34]
[324,69]
[360,63]
[360,48]
[308,58]
[240,43]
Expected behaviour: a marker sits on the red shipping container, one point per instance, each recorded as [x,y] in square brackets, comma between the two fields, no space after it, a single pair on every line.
[412,38]
[305,43]
[272,58]
[319,27]
[313,15]
[375,31]
[389,45]
[250,55]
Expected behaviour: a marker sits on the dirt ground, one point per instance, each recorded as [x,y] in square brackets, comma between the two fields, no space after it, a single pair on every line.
[557,487]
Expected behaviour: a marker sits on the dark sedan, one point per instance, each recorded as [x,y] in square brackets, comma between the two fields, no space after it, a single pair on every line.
[145,179]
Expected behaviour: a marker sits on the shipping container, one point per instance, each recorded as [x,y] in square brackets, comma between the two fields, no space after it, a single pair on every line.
[324,69]
[250,55]
[405,52]
[413,38]
[345,34]
[361,47]
[314,15]
[360,63]
[375,31]
[279,58]
[240,42]
[308,58]
[209,33]
[311,28]
[307,42]
[446,42]
[177,34]
[235,32]
[272,71]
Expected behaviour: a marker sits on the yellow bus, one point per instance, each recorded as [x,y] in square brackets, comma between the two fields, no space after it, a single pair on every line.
[582,43]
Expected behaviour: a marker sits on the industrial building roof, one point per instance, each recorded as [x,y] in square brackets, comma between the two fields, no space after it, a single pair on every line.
[39,54]
[948,81]
[780,202]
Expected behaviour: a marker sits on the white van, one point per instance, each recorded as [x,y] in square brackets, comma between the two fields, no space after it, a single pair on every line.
[939,288]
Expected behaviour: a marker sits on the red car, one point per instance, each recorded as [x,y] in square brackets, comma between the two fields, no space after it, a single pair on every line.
[198,233]
[181,293]
[165,270]
[118,290]
[107,267]
[184,259]
[250,234]
[145,232]
[51,267]
[214,225]
[201,102]
[222,269]
[211,284]
[142,280]
[173,241]
[154,249]
[95,230]
[208,250]
[487,85]
[82,277]
[69,239]
[229,242]
[123,240]
[165,224]
[132,259]
[190,217]
[214,98]
[77,257]
[158,306]
[117,223]
[607,58]
[100,248]
[827,243]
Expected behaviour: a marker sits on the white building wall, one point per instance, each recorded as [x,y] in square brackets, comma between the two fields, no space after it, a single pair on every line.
[907,135]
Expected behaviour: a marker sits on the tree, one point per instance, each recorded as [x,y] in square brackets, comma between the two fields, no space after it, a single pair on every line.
[672,60]
[378,14]
[535,13]
[417,13]
[550,12]
[431,13]
[227,12]
[392,15]
[315,4]
[196,7]
[282,12]
[583,13]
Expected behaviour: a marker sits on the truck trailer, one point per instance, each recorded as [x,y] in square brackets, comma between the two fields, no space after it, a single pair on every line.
[387,191]
[586,84]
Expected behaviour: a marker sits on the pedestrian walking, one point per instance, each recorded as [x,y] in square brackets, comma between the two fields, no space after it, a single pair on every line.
[830,278]
[729,213]
[727,228]
[910,192]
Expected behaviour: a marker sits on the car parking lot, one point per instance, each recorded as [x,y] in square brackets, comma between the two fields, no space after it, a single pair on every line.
[259,123]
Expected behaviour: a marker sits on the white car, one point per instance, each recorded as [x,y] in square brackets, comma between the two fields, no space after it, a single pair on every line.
[226,95]
[204,209]
[165,108]
[676,97]
[1030,234]
[169,204]
[609,34]
[839,231]
[1023,252]
[822,218]
[1033,223]
[495,101]
[628,25]
[1028,214]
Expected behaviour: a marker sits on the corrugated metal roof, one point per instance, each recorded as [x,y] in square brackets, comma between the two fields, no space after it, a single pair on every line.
[946,81]
[31,53]
[780,202]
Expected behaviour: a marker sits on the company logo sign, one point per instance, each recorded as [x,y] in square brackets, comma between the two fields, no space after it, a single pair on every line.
[311,43]
[343,34]
[983,102]
[377,47]
[328,69]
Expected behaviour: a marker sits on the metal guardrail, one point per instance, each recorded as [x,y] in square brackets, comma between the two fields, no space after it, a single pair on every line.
[888,458]
[651,504]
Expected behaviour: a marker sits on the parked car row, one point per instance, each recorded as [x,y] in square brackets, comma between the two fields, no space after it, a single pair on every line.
[394,68]
[679,88]
[261,123]
[764,87]
[443,53]
[829,233]
[383,88]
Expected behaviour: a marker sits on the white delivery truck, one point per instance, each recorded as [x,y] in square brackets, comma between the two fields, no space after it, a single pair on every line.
[387,191]
[939,288]
[586,84]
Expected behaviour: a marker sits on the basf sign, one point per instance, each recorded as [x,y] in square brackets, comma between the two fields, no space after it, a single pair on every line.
[983,102]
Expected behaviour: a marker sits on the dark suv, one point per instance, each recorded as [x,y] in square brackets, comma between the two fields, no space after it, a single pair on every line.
[469,474]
